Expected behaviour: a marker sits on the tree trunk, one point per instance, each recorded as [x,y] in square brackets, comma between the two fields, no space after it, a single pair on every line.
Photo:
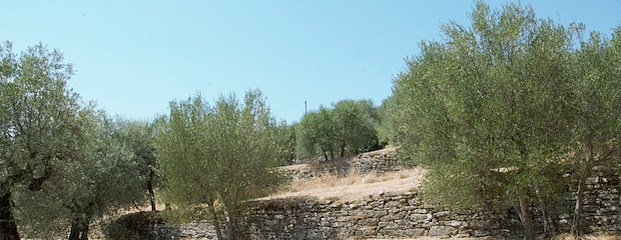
[8,229]
[548,224]
[575,227]
[234,228]
[526,218]
[74,233]
[84,232]
[549,228]
[151,193]
[79,230]
[216,221]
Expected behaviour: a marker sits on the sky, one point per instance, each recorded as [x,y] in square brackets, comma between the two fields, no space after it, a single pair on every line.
[133,57]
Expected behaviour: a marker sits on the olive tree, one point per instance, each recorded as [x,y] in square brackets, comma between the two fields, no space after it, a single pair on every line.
[139,136]
[40,124]
[489,110]
[596,132]
[285,140]
[315,135]
[218,156]
[346,129]
[104,178]
[355,125]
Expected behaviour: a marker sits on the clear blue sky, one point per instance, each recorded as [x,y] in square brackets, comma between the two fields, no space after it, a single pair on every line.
[133,57]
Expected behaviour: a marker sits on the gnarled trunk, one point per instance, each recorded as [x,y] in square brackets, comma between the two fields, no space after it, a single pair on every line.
[8,229]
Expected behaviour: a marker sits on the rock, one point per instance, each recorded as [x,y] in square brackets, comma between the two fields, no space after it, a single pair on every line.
[441,231]
[419,217]
[415,232]
[483,224]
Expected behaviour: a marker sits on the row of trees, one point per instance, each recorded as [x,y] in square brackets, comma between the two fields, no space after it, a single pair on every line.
[65,164]
[510,111]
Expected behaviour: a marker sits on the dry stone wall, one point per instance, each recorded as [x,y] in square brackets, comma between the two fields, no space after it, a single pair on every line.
[407,215]
[380,216]
[379,162]
[602,206]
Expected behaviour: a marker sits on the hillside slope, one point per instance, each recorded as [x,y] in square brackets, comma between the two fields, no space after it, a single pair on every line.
[351,178]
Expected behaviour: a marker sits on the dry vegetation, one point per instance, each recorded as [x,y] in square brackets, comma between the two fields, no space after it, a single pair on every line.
[354,186]
[588,237]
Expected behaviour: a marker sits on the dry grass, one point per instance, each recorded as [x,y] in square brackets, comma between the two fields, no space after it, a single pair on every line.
[436,238]
[559,237]
[588,237]
[352,187]
[300,185]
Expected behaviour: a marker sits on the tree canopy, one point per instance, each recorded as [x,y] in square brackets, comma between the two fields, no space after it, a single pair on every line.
[40,123]
[495,108]
[62,163]
[104,178]
[218,155]
[347,128]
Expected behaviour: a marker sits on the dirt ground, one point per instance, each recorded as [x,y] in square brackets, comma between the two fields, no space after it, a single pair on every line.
[353,187]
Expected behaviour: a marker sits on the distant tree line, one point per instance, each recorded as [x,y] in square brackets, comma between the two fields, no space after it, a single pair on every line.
[349,127]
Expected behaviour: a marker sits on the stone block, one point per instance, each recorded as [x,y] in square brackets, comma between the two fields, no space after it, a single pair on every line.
[420,217]
[415,232]
[441,231]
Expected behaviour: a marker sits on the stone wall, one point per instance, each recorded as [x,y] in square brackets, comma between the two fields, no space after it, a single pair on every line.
[380,216]
[602,205]
[379,162]
[407,215]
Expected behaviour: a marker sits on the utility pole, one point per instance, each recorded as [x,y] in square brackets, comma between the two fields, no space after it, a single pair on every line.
[305,108]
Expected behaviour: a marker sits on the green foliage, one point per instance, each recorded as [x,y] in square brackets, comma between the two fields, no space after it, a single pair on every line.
[140,138]
[285,140]
[104,178]
[503,108]
[596,67]
[60,162]
[490,110]
[597,90]
[41,123]
[218,155]
[39,117]
[316,135]
[348,128]
[355,124]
